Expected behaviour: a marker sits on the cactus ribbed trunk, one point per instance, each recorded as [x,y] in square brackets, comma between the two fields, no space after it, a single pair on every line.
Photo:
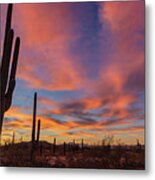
[38,131]
[7,80]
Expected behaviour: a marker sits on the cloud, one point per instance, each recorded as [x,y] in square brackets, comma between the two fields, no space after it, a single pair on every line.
[80,134]
[47,37]
[128,129]
[126,22]
[120,16]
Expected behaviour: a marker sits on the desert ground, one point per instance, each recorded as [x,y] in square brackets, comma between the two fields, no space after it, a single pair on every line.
[69,156]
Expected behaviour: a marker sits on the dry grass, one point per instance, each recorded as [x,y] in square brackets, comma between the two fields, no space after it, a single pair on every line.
[19,155]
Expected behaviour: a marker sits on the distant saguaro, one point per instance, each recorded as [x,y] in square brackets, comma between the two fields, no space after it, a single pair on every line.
[73,147]
[54,145]
[82,143]
[13,137]
[34,117]
[73,141]
[33,126]
[38,131]
[64,148]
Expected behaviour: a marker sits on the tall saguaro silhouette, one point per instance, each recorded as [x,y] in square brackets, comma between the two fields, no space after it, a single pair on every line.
[34,117]
[34,126]
[7,83]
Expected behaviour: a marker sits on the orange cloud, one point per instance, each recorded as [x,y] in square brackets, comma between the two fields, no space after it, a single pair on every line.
[126,21]
[50,31]
[17,113]
[129,129]
[46,23]
[46,101]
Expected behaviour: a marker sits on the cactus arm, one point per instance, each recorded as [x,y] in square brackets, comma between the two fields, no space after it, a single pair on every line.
[15,59]
[12,82]
[8,96]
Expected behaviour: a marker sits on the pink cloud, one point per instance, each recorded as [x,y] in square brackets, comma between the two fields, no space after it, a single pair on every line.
[49,30]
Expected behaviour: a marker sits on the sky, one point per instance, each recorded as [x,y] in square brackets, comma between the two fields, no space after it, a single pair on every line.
[85,60]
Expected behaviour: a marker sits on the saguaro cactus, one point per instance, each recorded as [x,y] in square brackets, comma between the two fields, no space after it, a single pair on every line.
[34,117]
[138,145]
[138,142]
[82,142]
[73,141]
[54,145]
[64,148]
[13,137]
[34,126]
[7,83]
[38,131]
[73,146]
